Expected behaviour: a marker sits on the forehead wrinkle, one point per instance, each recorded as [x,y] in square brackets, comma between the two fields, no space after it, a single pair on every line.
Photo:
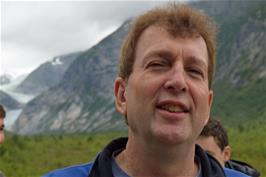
[152,31]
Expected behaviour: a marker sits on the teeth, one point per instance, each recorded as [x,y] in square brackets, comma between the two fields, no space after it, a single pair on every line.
[172,108]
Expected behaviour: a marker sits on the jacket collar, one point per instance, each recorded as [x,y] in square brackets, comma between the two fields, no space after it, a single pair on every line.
[102,165]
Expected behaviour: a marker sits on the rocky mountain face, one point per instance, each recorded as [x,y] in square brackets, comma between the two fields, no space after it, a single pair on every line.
[240,82]
[47,75]
[5,79]
[8,102]
[83,101]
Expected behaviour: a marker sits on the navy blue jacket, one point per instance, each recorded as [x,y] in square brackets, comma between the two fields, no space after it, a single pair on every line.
[242,167]
[102,167]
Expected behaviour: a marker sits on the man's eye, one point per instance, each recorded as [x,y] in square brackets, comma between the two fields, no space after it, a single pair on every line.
[156,64]
[196,72]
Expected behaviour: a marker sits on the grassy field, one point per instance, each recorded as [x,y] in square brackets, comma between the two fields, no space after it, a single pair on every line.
[249,145]
[33,156]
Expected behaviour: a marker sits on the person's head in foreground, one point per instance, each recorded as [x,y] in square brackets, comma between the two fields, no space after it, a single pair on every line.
[2,126]
[214,140]
[163,90]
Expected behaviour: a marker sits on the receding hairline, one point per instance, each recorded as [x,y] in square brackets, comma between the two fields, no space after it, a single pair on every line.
[179,19]
[202,61]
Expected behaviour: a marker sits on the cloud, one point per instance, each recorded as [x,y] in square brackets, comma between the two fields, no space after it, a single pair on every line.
[34,32]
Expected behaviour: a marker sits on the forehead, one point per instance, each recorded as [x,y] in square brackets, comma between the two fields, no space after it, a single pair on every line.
[156,38]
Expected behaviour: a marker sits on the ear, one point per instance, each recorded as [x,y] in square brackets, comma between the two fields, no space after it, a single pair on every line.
[120,95]
[210,99]
[227,153]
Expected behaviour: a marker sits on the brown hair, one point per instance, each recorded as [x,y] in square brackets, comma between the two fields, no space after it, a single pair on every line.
[179,21]
[215,129]
[2,112]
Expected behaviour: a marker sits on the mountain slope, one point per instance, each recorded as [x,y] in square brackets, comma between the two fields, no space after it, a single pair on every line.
[83,101]
[240,82]
[8,102]
[47,75]
[5,79]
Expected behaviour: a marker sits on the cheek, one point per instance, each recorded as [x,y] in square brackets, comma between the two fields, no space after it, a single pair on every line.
[141,95]
[201,101]
[146,86]
[136,93]
[201,97]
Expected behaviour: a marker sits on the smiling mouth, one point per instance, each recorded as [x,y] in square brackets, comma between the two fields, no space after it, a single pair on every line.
[173,108]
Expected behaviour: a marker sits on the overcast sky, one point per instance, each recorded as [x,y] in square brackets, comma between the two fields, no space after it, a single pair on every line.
[34,32]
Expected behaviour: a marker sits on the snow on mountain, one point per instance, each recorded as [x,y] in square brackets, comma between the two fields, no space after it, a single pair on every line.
[57,61]
[14,83]
[10,90]
[5,79]
[11,113]
[47,75]
[11,117]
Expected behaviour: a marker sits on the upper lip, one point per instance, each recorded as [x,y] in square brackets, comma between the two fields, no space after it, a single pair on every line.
[179,104]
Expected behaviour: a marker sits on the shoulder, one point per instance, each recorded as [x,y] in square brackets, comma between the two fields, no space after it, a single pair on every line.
[234,173]
[242,167]
[77,171]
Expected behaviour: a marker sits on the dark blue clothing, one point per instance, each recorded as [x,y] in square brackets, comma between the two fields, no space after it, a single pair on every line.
[242,167]
[102,166]
[234,173]
[72,171]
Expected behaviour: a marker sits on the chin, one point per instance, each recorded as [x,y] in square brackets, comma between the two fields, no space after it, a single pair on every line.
[171,137]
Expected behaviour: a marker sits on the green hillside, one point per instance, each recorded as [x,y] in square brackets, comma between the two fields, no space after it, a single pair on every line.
[23,156]
[239,106]
[33,156]
[240,82]
[248,144]
[239,99]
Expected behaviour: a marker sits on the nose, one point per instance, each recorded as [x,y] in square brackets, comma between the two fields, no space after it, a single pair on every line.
[176,80]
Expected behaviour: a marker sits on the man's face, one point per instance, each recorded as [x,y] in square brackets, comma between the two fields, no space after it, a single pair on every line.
[2,136]
[166,97]
[209,145]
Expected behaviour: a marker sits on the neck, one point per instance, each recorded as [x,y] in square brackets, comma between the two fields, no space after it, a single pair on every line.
[148,159]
